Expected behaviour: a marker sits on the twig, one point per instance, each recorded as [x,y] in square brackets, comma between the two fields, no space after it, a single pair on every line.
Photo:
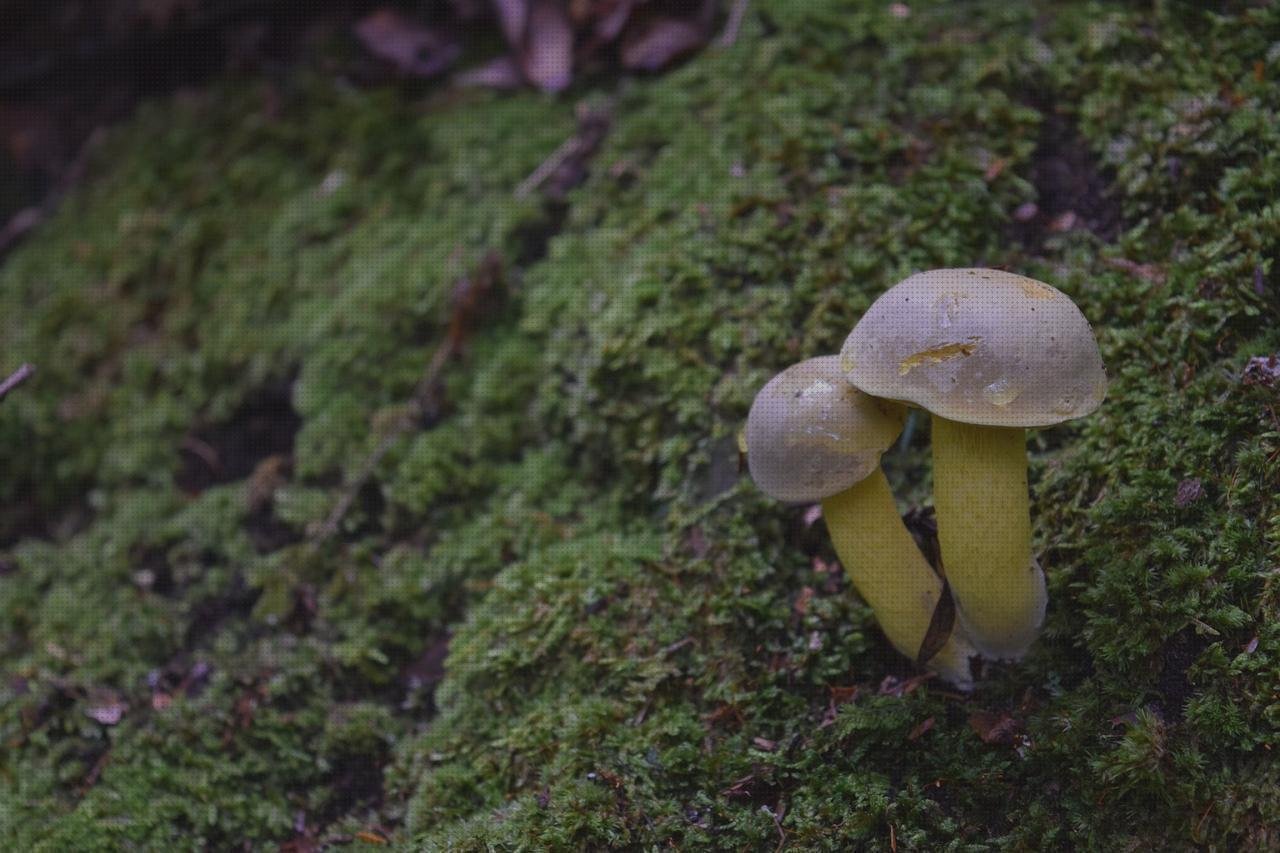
[471,298]
[29,217]
[729,34]
[592,126]
[22,374]
[567,149]
[418,406]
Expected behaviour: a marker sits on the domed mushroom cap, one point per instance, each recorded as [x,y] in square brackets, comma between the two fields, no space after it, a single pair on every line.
[978,346]
[811,434]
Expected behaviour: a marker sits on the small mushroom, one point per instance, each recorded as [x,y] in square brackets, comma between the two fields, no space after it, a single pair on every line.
[989,354]
[811,436]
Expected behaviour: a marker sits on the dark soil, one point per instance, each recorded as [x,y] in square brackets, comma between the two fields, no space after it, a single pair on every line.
[1072,190]
[265,425]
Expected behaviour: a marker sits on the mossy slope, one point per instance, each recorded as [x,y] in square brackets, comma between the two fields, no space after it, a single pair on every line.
[642,650]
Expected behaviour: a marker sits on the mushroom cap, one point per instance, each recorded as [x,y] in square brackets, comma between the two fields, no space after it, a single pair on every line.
[811,434]
[978,346]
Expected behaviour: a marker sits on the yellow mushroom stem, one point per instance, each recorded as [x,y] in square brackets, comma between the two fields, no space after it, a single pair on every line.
[984,530]
[891,574]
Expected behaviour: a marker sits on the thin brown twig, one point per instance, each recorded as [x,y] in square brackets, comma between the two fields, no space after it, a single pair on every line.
[22,374]
[418,406]
[729,34]
[593,123]
[29,217]
[472,296]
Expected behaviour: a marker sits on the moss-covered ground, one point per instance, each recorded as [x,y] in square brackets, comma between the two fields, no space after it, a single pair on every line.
[558,615]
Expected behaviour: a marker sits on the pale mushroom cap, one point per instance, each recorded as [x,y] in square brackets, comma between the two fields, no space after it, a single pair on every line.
[978,346]
[811,434]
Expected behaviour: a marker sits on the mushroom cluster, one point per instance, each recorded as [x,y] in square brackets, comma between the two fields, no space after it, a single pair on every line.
[988,354]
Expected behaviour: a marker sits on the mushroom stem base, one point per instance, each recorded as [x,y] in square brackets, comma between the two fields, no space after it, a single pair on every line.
[984,529]
[891,574]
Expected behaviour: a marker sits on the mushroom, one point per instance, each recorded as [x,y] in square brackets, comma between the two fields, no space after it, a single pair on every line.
[989,354]
[811,436]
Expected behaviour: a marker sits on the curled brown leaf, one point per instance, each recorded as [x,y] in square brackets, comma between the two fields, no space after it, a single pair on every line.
[411,47]
[660,42]
[548,48]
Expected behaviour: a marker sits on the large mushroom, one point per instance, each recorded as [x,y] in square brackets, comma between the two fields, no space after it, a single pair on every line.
[811,436]
[989,354]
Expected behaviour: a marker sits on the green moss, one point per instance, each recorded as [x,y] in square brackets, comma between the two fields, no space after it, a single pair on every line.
[642,650]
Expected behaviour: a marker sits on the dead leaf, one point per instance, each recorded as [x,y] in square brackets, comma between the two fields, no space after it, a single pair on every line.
[1189,491]
[1146,272]
[548,48]
[1124,720]
[740,787]
[513,15]
[501,73]
[801,606]
[1064,222]
[899,687]
[920,729]
[1026,211]
[763,743]
[994,727]
[1261,370]
[660,42]
[841,695]
[609,25]
[411,47]
[107,709]
[268,476]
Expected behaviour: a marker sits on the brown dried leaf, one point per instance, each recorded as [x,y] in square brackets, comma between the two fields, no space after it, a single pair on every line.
[107,709]
[409,46]
[1146,272]
[898,687]
[268,476]
[994,727]
[841,695]
[920,729]
[1189,491]
[548,54]
[514,17]
[609,24]
[1262,370]
[801,606]
[501,73]
[1063,222]
[660,42]
[1026,211]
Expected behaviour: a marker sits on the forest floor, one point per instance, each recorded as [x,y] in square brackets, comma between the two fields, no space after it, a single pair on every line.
[556,613]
